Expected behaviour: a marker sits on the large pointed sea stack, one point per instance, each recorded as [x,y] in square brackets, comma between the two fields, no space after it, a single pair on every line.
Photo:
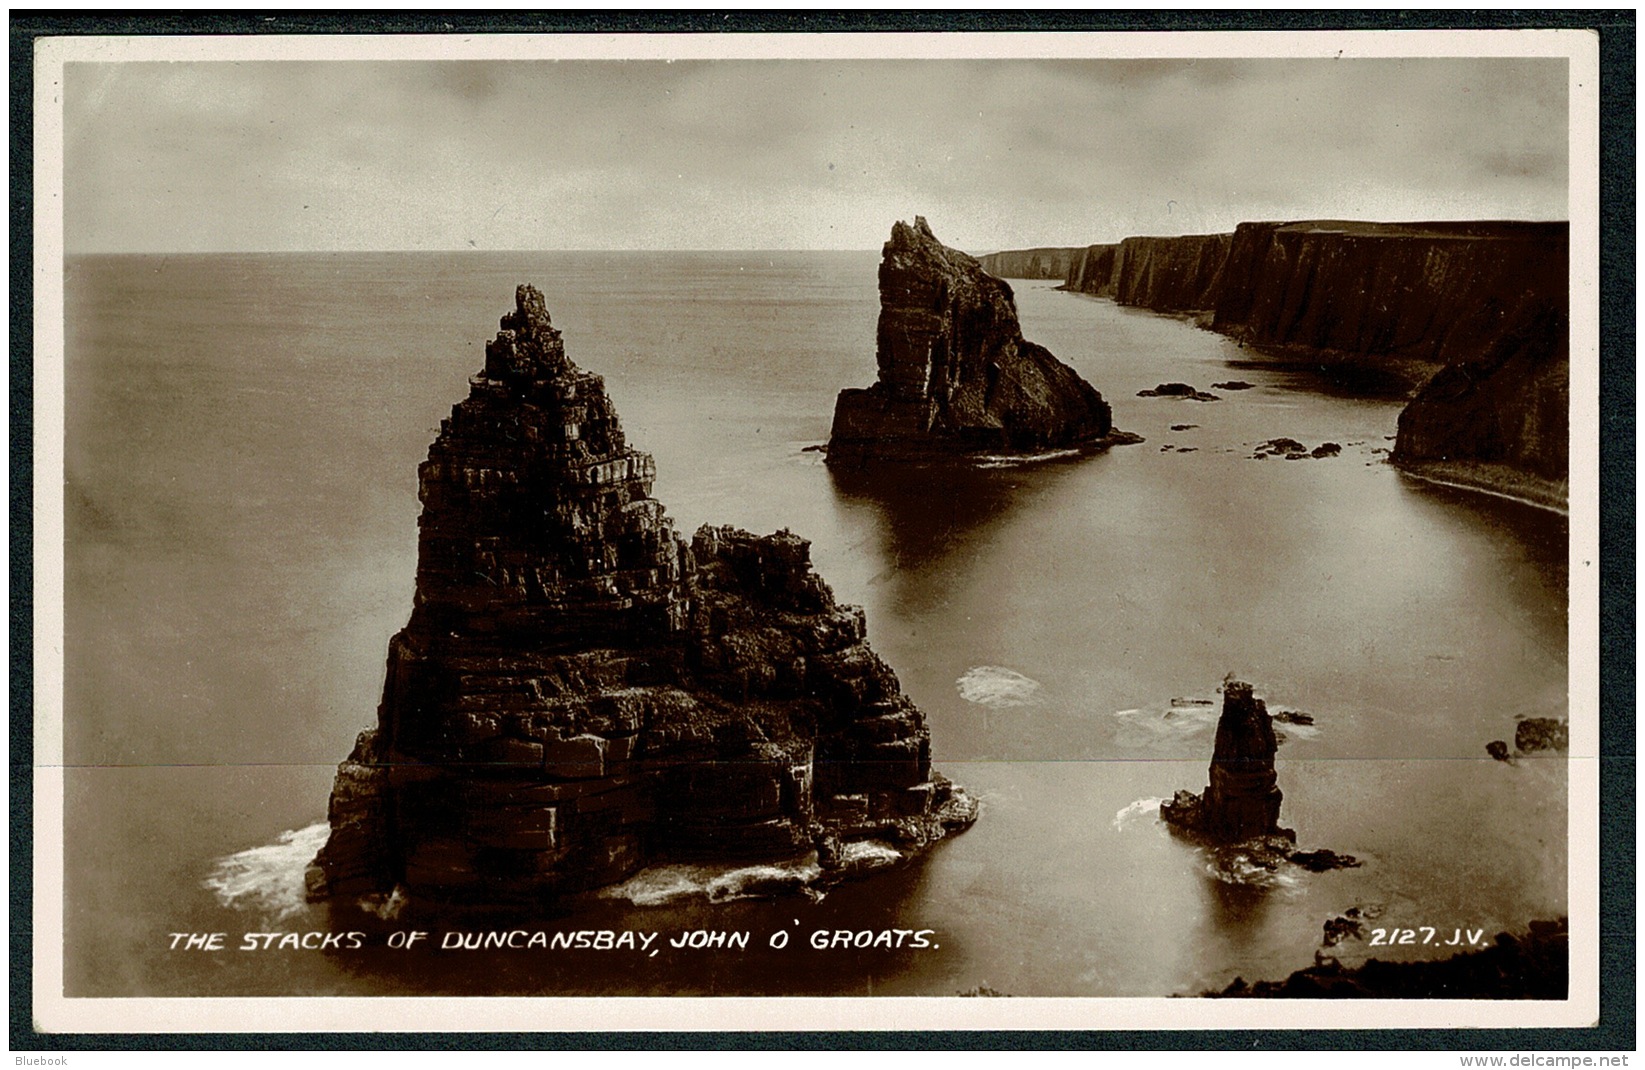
[955,374]
[1242,800]
[579,692]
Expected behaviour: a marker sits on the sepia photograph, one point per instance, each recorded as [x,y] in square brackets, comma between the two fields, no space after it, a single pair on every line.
[1023,530]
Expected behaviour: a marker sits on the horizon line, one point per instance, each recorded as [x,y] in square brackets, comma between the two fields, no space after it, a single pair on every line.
[812,249]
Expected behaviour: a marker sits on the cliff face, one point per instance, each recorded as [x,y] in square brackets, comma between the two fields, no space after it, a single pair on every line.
[955,374]
[1500,419]
[1476,310]
[1243,799]
[1029,263]
[1487,304]
[1431,292]
[1092,271]
[1170,274]
[578,692]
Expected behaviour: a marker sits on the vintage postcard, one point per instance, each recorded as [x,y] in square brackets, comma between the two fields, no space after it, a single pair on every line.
[1045,530]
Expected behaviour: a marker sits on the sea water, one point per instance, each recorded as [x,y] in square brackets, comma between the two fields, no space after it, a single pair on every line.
[243,434]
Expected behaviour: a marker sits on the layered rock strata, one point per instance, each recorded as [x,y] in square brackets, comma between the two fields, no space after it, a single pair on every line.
[1499,418]
[1471,316]
[1177,274]
[1030,263]
[1092,271]
[1243,799]
[1182,274]
[955,374]
[579,692]
[1429,292]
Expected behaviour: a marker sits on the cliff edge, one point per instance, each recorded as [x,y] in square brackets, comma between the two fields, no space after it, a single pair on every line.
[579,692]
[955,374]
[1044,263]
[1498,420]
[1472,318]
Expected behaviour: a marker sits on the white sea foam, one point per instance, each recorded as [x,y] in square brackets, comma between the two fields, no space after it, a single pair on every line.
[997,687]
[659,885]
[1129,813]
[1008,461]
[1164,725]
[269,879]
[871,854]
[1234,866]
[388,906]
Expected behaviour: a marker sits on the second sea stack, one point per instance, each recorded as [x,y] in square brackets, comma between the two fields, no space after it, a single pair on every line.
[956,375]
[580,692]
[1243,798]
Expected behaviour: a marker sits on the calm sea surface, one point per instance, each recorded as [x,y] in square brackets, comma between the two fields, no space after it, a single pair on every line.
[243,440]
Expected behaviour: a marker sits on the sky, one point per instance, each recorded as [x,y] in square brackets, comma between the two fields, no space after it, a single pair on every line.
[791,154]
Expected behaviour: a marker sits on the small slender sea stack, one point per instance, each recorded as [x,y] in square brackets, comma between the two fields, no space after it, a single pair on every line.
[1243,798]
[956,375]
[579,692]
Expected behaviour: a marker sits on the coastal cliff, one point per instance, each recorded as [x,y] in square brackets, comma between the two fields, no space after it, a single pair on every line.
[1092,271]
[956,375]
[1476,313]
[1470,317]
[1029,263]
[579,692]
[1499,420]
[1182,274]
[1430,292]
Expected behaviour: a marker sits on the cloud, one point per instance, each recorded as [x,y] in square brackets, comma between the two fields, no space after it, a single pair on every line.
[791,154]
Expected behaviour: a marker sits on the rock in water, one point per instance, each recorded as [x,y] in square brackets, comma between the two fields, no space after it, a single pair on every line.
[955,374]
[1242,801]
[579,692]
[1542,733]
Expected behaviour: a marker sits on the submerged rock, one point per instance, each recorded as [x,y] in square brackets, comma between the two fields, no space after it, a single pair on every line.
[1541,733]
[1323,860]
[956,375]
[579,693]
[1292,450]
[1177,390]
[1343,927]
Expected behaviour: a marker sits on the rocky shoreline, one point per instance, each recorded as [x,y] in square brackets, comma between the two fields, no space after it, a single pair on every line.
[1469,320]
[1534,964]
[1497,480]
